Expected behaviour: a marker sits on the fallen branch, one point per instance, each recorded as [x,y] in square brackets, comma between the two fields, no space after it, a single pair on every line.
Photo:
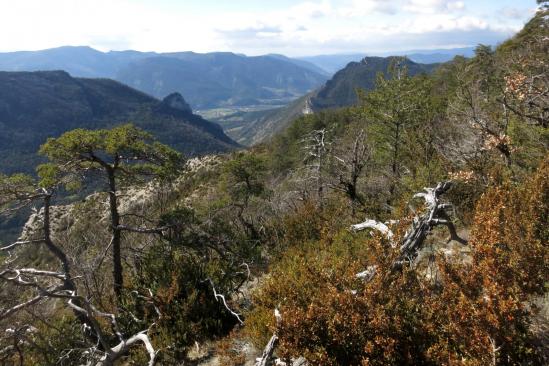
[421,226]
[376,225]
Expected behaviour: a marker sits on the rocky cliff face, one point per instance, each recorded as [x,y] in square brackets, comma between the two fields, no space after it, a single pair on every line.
[95,207]
[176,101]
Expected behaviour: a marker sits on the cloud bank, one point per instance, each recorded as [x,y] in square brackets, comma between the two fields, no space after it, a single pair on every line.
[304,28]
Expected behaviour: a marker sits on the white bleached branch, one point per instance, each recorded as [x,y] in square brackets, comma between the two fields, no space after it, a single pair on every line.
[267,355]
[367,274]
[421,226]
[376,225]
[219,296]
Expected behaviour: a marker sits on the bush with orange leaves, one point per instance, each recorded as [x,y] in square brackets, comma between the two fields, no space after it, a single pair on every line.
[486,307]
[476,312]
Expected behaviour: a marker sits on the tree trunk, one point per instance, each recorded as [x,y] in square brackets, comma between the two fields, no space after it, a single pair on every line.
[394,163]
[68,282]
[116,237]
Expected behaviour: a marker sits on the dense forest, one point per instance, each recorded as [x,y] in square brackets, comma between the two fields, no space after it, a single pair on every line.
[410,229]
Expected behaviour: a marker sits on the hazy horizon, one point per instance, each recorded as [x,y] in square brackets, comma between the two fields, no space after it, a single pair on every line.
[296,29]
[381,54]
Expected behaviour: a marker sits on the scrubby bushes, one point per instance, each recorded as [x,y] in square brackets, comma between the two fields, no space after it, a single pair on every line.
[476,311]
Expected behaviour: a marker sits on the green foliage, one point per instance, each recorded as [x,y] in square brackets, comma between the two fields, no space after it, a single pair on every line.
[14,186]
[184,296]
[182,272]
[402,115]
[49,175]
[245,175]
[126,149]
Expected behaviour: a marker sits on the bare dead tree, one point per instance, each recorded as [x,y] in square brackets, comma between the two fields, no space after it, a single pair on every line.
[316,147]
[42,285]
[414,239]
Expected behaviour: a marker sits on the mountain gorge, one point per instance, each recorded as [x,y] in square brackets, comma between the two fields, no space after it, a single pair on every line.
[340,91]
[221,79]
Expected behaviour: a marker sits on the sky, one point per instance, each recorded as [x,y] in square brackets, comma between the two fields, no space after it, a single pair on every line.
[254,27]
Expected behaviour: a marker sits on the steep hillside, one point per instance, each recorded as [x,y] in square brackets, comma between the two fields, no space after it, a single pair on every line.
[250,128]
[340,91]
[37,105]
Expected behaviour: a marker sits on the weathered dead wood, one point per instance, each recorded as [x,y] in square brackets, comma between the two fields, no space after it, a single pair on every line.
[421,226]
[267,355]
[266,358]
[376,225]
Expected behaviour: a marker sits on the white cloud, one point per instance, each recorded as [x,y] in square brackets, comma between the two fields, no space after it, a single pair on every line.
[310,26]
[311,10]
[433,6]
[368,7]
[104,24]
[514,13]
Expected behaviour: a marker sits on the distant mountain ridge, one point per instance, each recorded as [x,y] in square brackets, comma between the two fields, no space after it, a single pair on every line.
[38,105]
[333,63]
[207,80]
[222,79]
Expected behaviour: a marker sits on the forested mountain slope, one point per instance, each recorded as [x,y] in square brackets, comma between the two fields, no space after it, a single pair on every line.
[37,105]
[341,89]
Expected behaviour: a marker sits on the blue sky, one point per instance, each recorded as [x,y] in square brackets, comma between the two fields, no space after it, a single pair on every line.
[294,28]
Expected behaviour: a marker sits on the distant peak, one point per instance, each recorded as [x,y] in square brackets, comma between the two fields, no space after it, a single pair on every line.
[176,101]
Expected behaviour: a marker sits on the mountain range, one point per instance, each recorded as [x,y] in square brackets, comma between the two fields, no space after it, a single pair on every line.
[209,80]
[38,105]
[34,105]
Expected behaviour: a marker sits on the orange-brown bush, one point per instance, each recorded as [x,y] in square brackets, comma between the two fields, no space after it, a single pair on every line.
[476,313]
[486,307]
